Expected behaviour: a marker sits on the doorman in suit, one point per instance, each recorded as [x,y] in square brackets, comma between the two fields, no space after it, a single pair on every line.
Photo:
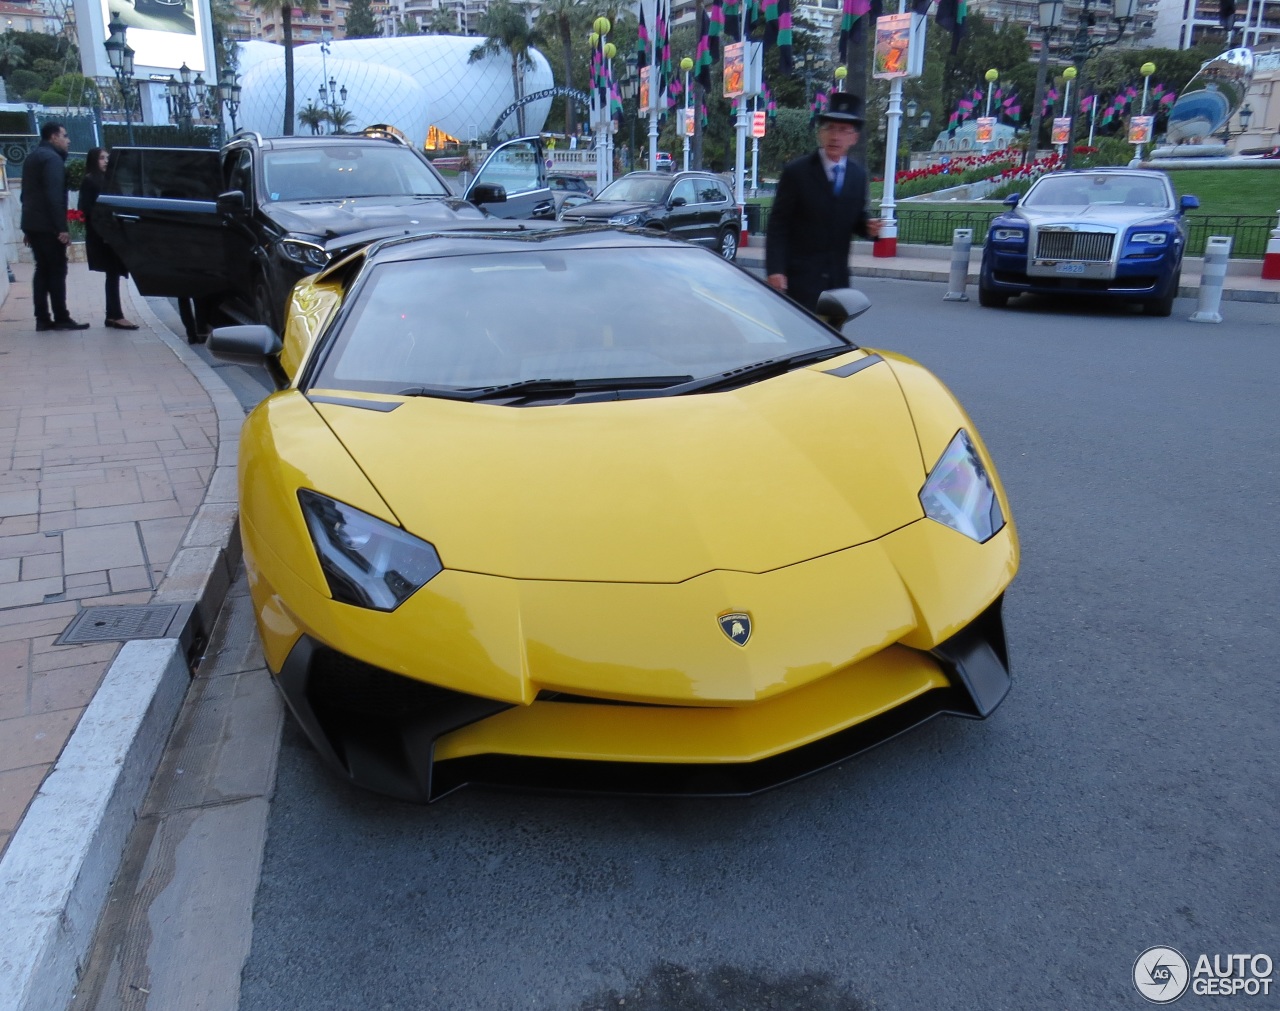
[820,205]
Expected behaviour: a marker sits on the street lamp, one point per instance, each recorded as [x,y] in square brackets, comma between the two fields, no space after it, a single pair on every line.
[630,88]
[332,98]
[1050,17]
[187,98]
[1084,46]
[229,94]
[1246,116]
[686,65]
[120,56]
[991,76]
[1068,76]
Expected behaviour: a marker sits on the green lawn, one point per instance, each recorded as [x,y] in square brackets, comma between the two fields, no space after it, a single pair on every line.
[1231,191]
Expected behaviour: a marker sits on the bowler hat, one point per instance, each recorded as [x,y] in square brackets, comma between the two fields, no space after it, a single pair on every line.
[842,107]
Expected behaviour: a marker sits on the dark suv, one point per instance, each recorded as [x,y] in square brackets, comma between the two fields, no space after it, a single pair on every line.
[697,206]
[239,227]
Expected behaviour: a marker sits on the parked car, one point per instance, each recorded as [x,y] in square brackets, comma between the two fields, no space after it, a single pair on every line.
[559,181]
[241,226]
[663,162]
[684,538]
[1119,233]
[696,206]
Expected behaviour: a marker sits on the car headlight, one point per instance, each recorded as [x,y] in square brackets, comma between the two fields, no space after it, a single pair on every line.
[625,219]
[1009,235]
[306,253]
[959,494]
[366,562]
[1150,238]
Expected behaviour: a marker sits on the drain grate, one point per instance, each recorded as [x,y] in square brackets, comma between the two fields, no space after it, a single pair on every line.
[107,624]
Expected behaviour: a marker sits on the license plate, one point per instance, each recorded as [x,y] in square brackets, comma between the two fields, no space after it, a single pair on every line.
[1070,268]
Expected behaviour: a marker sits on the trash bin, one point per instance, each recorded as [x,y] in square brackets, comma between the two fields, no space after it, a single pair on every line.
[753,219]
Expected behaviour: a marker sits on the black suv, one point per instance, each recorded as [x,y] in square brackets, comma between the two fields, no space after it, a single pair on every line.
[239,227]
[697,206]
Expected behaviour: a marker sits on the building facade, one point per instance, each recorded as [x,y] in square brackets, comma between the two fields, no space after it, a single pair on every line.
[1182,24]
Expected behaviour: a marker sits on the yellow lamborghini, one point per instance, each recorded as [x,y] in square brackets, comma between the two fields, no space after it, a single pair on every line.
[586,509]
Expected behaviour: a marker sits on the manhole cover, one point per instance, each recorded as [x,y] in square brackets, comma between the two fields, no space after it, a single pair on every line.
[107,624]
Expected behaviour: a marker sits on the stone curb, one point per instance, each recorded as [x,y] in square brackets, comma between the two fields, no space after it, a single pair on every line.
[57,872]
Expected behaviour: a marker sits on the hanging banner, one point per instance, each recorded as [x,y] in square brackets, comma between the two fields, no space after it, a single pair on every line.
[1061,130]
[758,123]
[644,87]
[686,121]
[1140,128]
[899,46]
[986,129]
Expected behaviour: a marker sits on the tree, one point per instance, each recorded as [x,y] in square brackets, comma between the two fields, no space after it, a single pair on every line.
[408,25]
[557,21]
[506,30]
[285,11]
[341,119]
[12,55]
[361,24]
[314,116]
[441,22]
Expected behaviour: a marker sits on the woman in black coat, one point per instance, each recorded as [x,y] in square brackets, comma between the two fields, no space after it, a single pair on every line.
[102,257]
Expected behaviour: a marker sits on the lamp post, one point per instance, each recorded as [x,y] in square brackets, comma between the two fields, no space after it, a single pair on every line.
[1246,117]
[229,94]
[991,76]
[686,65]
[1049,13]
[630,86]
[120,56]
[332,97]
[187,98]
[1146,70]
[1068,76]
[1084,46]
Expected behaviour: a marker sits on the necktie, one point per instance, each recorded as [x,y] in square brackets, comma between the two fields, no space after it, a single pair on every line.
[838,178]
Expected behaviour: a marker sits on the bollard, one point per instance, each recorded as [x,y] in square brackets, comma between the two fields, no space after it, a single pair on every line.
[961,246]
[1271,262]
[1216,253]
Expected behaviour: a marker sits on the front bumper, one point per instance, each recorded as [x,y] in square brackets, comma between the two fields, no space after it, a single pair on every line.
[419,742]
[1135,277]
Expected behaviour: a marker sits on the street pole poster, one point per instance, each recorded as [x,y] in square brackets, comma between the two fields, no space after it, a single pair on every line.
[686,121]
[1140,129]
[986,129]
[899,46]
[644,87]
[735,69]
[1061,130]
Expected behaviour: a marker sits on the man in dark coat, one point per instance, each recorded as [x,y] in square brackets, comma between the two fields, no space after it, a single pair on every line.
[44,227]
[820,205]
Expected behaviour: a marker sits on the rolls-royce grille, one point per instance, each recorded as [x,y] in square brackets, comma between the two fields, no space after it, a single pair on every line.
[1074,245]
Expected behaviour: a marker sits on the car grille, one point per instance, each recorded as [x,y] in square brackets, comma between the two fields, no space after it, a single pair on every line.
[1053,245]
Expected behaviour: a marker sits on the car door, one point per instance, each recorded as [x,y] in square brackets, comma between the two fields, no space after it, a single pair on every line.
[520,168]
[714,202]
[159,212]
[682,213]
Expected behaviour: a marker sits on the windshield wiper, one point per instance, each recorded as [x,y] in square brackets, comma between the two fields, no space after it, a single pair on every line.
[748,373]
[529,386]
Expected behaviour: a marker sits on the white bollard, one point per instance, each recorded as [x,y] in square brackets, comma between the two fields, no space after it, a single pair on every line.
[1217,251]
[961,245]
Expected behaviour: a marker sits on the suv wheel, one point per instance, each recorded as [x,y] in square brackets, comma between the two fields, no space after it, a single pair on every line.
[729,244]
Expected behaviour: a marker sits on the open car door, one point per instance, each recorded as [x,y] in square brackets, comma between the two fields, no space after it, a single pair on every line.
[159,212]
[519,167]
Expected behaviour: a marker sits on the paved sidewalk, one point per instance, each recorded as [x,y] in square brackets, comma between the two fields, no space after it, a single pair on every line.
[118,488]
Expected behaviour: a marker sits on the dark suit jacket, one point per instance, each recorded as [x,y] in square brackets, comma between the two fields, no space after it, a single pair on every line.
[810,227]
[44,190]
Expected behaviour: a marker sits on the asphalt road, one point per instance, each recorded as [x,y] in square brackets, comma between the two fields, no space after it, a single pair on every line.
[1123,796]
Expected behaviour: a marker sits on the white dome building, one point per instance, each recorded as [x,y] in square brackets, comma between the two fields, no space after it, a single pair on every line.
[413,83]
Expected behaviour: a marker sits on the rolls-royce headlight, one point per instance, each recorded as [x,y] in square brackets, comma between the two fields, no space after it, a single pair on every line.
[1150,238]
[366,562]
[959,493]
[1009,235]
[307,253]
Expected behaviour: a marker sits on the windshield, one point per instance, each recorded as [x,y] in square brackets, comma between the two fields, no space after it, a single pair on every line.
[357,170]
[463,322]
[635,190]
[1084,190]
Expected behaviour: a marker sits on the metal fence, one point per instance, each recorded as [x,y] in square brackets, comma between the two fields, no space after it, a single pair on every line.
[932,227]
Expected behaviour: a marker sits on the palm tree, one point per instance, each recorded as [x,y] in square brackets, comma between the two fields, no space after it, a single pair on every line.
[285,9]
[441,22]
[506,30]
[314,116]
[557,19]
[341,119]
[12,55]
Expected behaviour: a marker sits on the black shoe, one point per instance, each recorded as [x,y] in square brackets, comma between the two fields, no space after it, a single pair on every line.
[44,324]
[67,324]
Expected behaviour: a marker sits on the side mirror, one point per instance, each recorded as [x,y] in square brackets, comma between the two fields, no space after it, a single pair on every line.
[245,344]
[1188,202]
[487,193]
[232,202]
[678,202]
[1012,199]
[838,306]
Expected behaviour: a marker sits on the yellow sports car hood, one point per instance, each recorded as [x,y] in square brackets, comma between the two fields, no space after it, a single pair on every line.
[651,490]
